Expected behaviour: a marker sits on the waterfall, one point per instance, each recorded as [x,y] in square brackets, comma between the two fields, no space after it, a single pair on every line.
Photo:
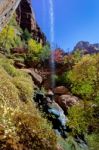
[51,14]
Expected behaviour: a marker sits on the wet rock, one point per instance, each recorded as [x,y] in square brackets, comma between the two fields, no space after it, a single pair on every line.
[54,112]
[50,92]
[35,76]
[60,90]
[39,98]
[50,95]
[66,101]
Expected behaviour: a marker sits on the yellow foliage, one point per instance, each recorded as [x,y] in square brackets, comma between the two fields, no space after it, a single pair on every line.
[25,87]
[34,47]
[8,91]
[7,37]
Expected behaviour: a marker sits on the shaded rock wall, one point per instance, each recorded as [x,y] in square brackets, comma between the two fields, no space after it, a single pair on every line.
[26,19]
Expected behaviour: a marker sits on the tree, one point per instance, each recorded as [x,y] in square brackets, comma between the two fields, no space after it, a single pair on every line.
[26,35]
[34,51]
[80,117]
[34,47]
[58,55]
[10,37]
[83,77]
[45,53]
[7,37]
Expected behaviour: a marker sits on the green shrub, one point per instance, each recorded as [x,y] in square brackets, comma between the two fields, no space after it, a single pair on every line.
[26,35]
[34,47]
[34,51]
[25,87]
[93,141]
[45,53]
[8,91]
[83,77]
[80,117]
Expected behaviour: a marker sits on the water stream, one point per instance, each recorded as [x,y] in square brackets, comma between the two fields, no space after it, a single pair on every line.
[52,63]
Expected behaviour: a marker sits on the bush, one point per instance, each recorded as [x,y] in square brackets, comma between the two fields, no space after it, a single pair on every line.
[93,141]
[45,53]
[26,35]
[25,87]
[34,47]
[10,37]
[80,117]
[34,51]
[8,91]
[83,77]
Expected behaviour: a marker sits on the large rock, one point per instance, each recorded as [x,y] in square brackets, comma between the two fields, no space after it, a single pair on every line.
[60,90]
[35,76]
[65,101]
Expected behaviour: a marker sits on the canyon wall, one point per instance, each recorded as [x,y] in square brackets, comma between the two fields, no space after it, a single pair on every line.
[26,19]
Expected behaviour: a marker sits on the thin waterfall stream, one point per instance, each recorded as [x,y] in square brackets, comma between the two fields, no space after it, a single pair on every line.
[52,63]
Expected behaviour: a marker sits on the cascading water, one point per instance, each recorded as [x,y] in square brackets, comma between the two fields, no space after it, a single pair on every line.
[51,13]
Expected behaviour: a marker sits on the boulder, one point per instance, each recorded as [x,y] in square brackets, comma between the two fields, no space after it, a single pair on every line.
[60,90]
[35,76]
[65,101]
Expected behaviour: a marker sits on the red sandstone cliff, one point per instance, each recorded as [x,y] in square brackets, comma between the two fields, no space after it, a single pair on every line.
[26,19]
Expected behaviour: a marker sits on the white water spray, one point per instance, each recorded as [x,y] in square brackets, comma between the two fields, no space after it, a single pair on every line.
[51,13]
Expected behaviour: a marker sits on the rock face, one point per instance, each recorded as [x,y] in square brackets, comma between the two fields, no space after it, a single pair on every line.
[86,47]
[26,19]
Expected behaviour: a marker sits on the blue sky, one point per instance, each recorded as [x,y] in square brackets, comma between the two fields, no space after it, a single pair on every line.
[75,20]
